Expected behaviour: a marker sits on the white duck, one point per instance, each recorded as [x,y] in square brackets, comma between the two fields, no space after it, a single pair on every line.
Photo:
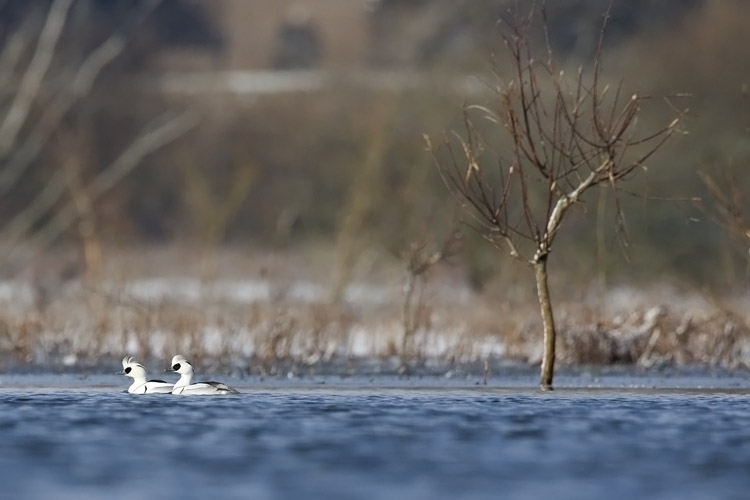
[185,385]
[131,368]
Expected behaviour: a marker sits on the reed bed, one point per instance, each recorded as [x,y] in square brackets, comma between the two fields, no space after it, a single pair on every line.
[273,324]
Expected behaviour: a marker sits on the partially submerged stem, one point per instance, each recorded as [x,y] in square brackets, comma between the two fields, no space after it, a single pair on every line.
[548,322]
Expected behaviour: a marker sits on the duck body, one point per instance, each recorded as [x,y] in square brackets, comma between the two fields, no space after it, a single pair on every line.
[203,389]
[151,387]
[185,386]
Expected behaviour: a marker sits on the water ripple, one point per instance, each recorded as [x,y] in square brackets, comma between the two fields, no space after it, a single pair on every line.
[375,444]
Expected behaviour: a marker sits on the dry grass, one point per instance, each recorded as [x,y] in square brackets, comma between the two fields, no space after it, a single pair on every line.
[284,332]
[662,333]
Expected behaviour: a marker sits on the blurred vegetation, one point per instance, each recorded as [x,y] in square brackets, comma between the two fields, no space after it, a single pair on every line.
[345,164]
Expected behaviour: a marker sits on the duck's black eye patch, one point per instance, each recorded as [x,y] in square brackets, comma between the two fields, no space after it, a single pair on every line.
[176,366]
[127,370]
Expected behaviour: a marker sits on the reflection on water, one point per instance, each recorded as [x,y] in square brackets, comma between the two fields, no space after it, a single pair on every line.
[375,443]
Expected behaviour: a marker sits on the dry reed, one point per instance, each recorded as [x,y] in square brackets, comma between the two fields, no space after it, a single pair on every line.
[286,332]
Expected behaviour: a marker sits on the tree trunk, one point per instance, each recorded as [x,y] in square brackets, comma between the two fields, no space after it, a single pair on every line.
[548,321]
[410,322]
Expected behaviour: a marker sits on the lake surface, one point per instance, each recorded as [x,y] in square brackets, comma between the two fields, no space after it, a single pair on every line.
[370,439]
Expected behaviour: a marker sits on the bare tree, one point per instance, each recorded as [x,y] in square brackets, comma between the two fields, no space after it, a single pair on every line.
[728,202]
[214,209]
[559,138]
[419,257]
[19,153]
[727,207]
[366,195]
[154,136]
[36,101]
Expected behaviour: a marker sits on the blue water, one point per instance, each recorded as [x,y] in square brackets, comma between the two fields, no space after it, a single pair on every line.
[371,442]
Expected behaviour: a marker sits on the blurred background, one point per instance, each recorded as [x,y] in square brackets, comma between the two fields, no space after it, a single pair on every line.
[285,126]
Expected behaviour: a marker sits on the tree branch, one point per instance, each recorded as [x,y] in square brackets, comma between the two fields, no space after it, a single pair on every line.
[34,75]
[81,85]
[154,136]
